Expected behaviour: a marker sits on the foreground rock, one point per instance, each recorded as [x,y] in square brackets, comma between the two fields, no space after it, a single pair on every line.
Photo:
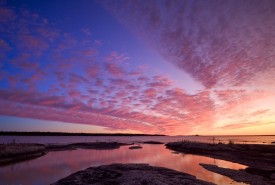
[10,153]
[130,174]
[260,159]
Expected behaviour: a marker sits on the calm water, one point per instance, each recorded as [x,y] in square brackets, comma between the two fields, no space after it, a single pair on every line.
[56,165]
[127,139]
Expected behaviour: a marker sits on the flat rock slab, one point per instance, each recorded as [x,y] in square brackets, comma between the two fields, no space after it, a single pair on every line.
[130,174]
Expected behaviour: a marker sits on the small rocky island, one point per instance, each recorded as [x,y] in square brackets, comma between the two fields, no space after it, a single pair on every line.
[130,174]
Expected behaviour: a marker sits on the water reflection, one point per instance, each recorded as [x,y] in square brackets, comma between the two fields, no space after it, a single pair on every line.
[56,165]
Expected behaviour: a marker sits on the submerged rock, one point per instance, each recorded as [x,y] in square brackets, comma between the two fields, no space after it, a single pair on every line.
[130,174]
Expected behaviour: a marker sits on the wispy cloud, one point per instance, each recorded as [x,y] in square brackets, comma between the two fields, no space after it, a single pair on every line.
[216,42]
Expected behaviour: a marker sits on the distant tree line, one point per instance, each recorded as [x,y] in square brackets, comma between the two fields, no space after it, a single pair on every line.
[11,133]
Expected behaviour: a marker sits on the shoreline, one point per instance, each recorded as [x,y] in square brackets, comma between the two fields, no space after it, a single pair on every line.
[259,159]
[17,152]
[13,153]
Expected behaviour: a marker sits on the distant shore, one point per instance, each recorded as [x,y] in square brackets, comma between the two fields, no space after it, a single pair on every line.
[8,133]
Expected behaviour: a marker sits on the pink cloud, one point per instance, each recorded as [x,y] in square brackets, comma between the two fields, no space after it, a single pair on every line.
[114,57]
[150,93]
[6,14]
[204,39]
[4,45]
[114,69]
[259,112]
[244,125]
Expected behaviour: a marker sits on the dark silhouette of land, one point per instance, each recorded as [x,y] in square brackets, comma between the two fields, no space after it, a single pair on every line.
[12,133]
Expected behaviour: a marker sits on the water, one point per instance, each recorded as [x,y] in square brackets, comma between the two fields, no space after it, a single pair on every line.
[56,165]
[129,139]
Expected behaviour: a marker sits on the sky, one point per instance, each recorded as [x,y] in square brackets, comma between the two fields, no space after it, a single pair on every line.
[155,67]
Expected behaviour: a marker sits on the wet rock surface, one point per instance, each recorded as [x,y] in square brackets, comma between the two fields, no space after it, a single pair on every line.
[130,174]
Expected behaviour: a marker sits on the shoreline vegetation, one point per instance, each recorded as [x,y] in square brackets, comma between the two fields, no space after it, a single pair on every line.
[259,159]
[13,133]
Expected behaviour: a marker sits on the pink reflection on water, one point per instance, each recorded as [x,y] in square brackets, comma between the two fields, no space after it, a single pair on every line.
[56,165]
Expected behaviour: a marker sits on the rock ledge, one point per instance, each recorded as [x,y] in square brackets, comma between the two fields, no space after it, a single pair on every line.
[130,174]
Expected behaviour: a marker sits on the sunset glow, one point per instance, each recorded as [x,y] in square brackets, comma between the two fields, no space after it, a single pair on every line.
[154,67]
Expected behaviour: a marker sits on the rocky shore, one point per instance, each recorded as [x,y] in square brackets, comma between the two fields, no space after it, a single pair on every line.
[11,153]
[260,159]
[240,175]
[130,174]
[93,145]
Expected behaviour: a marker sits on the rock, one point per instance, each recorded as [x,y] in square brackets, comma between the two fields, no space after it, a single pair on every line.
[130,174]
[239,175]
[10,153]
[93,145]
[263,172]
[252,155]
[135,147]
